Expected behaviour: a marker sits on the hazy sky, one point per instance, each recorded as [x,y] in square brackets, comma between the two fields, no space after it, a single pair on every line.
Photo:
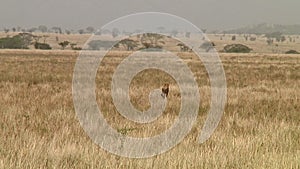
[211,14]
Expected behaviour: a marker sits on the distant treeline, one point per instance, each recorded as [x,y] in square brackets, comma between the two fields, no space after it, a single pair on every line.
[265,28]
[259,29]
[45,29]
[114,31]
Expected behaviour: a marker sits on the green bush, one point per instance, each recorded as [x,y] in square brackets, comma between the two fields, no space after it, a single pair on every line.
[43,46]
[237,48]
[99,44]
[15,42]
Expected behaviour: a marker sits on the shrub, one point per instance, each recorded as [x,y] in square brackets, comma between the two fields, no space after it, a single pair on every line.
[207,45]
[233,38]
[237,48]
[128,44]
[99,44]
[252,38]
[74,46]
[115,32]
[292,52]
[269,41]
[77,48]
[15,42]
[43,46]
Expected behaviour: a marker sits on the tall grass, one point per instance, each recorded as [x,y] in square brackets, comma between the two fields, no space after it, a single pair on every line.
[260,127]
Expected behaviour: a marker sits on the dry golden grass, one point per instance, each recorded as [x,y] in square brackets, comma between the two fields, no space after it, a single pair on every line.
[260,127]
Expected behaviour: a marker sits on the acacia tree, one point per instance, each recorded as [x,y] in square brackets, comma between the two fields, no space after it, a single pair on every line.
[57,30]
[233,38]
[128,44]
[43,28]
[183,47]
[161,29]
[6,30]
[282,38]
[90,29]
[207,46]
[68,32]
[252,38]
[187,34]
[26,38]
[45,37]
[64,44]
[80,31]
[36,38]
[174,33]
[269,41]
[276,35]
[115,32]
[32,30]
[152,40]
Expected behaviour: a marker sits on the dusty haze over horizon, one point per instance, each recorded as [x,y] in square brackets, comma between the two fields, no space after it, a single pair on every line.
[209,14]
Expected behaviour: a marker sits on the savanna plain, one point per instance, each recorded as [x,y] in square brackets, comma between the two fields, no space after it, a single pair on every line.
[260,127]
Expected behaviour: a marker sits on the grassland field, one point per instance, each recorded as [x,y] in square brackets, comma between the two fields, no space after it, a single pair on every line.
[260,127]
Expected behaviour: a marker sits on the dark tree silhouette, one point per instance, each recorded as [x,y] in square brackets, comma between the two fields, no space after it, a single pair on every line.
[43,28]
[128,44]
[161,29]
[152,40]
[187,34]
[64,44]
[26,38]
[115,32]
[6,30]
[74,46]
[184,48]
[174,33]
[269,41]
[68,32]
[57,29]
[90,29]
[80,31]
[233,38]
